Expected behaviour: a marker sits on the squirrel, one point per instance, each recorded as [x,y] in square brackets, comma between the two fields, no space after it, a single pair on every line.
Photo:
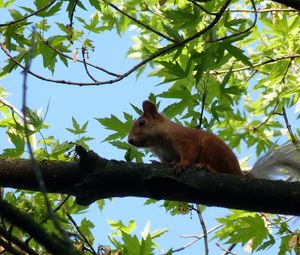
[184,147]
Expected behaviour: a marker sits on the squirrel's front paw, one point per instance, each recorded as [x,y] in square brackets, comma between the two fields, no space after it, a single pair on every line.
[180,167]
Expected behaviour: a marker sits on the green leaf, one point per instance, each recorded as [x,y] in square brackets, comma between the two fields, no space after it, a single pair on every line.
[120,226]
[176,108]
[136,109]
[113,123]
[101,204]
[236,38]
[175,208]
[60,148]
[85,228]
[237,53]
[173,33]
[95,3]
[241,227]
[226,79]
[72,4]
[34,120]
[6,4]
[158,232]
[95,25]
[175,69]
[146,246]
[132,244]
[19,143]
[177,93]
[150,201]
[53,10]
[284,246]
[77,130]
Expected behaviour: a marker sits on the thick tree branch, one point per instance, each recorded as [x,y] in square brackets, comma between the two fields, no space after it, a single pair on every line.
[95,178]
[290,3]
[59,177]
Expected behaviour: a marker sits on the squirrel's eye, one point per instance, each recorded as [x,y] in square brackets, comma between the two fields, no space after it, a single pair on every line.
[142,122]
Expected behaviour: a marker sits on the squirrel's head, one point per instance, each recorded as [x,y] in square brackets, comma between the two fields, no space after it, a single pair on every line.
[146,129]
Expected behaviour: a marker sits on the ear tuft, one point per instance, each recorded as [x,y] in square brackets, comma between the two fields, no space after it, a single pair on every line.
[149,108]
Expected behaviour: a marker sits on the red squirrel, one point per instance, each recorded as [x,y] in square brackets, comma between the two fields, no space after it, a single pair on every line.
[184,147]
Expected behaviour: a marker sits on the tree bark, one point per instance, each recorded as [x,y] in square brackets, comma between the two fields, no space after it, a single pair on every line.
[290,3]
[94,178]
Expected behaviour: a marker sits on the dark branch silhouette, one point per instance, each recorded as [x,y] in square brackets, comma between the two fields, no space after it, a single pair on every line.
[53,244]
[94,178]
[290,3]
[28,16]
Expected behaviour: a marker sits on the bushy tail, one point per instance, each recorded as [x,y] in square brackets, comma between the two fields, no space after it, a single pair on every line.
[279,163]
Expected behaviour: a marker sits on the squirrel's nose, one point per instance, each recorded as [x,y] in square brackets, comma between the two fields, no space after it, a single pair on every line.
[130,140]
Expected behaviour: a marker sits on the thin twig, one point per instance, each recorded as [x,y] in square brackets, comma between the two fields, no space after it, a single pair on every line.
[202,8]
[203,104]
[81,61]
[28,142]
[83,52]
[27,16]
[13,109]
[8,247]
[242,32]
[124,75]
[227,251]
[288,126]
[286,70]
[48,216]
[276,104]
[259,10]
[203,225]
[196,238]
[79,231]
[254,128]
[262,10]
[8,236]
[186,246]
[293,56]
[283,220]
[139,22]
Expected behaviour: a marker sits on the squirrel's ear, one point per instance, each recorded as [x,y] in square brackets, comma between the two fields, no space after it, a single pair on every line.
[149,108]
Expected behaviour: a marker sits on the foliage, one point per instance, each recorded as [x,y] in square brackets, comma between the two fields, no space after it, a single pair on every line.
[233,71]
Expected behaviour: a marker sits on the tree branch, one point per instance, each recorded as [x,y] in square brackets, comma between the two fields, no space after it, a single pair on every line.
[95,178]
[138,22]
[270,61]
[290,3]
[13,239]
[28,16]
[53,244]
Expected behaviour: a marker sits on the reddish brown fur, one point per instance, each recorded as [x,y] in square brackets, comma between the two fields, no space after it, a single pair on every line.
[181,146]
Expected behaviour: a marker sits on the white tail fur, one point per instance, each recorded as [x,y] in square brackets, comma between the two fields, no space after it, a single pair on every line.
[282,162]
